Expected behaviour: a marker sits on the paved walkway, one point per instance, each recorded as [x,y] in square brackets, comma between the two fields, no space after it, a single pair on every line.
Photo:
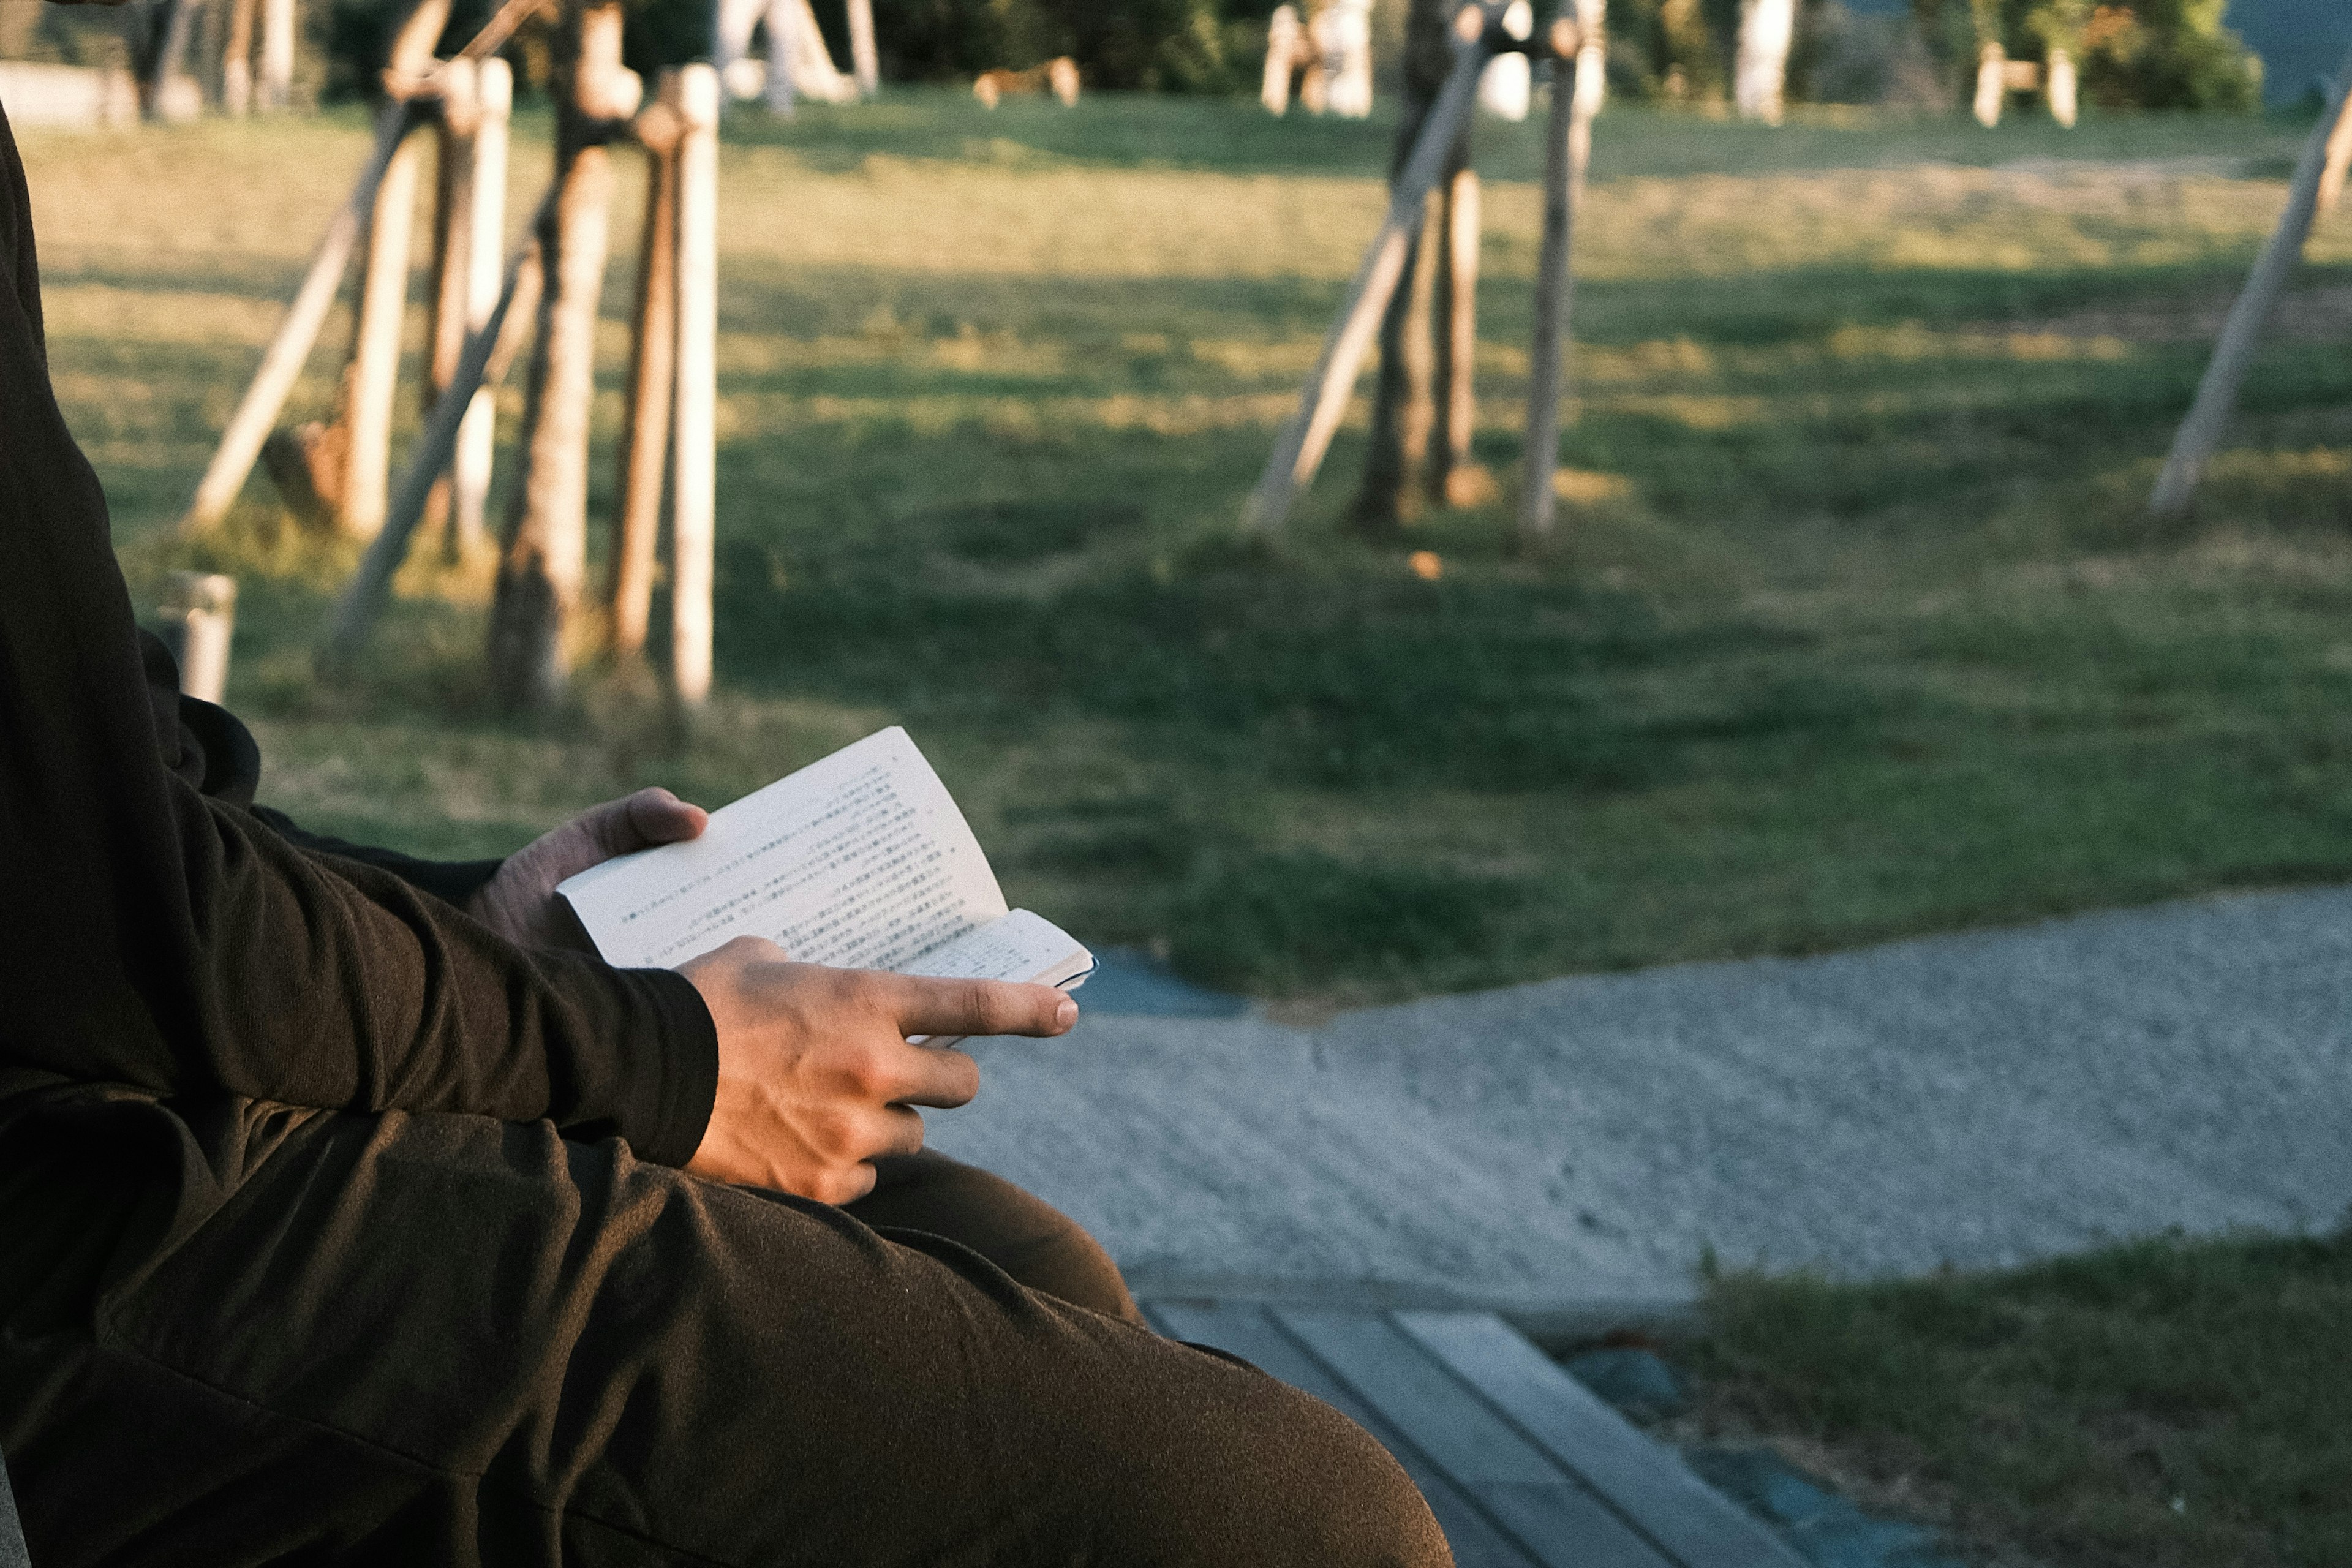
[1577,1145]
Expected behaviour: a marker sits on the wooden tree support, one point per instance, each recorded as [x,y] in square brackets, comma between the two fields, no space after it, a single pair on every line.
[694,506]
[2217,393]
[481,364]
[1298,452]
[1453,477]
[281,364]
[653,377]
[1567,150]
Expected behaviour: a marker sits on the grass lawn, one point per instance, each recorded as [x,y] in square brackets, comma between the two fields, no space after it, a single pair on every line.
[2167,1404]
[1855,629]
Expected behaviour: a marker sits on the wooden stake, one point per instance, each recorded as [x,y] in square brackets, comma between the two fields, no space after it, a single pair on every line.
[469,478]
[237,60]
[2217,393]
[693,505]
[653,375]
[2339,158]
[371,380]
[1298,452]
[864,63]
[489,351]
[451,282]
[1457,347]
[281,365]
[546,547]
[1568,149]
[277,53]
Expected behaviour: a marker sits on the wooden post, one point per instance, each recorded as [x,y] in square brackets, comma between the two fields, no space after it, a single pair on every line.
[1568,149]
[784,59]
[1992,83]
[1285,39]
[653,375]
[2062,93]
[546,547]
[1759,76]
[281,365]
[864,62]
[693,505]
[199,617]
[371,380]
[2217,393]
[469,475]
[2339,158]
[1299,451]
[277,53]
[237,60]
[451,284]
[1453,478]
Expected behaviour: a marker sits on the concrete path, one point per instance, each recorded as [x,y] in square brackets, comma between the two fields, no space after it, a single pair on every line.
[1574,1147]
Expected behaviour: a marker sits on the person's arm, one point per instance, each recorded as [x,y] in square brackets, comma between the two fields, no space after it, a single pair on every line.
[154,938]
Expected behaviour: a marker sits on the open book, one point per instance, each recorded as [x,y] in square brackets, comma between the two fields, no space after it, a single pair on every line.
[860,861]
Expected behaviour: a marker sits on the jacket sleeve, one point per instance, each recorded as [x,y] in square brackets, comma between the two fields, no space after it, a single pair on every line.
[152,937]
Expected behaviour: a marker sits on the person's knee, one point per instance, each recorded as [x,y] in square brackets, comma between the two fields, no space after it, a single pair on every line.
[1251,1470]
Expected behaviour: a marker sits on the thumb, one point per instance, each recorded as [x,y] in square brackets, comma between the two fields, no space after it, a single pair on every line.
[641,821]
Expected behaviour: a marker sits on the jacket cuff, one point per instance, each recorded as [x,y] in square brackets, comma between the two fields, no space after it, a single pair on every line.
[688,1079]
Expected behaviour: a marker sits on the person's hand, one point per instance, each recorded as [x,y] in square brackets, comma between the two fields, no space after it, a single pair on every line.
[815,1077]
[519,902]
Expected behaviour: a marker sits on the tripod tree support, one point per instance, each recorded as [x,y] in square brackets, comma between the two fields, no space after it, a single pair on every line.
[2217,393]
[1298,452]
[480,367]
[1568,149]
[298,333]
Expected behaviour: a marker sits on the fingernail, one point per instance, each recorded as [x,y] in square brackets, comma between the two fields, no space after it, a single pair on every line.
[1067,1014]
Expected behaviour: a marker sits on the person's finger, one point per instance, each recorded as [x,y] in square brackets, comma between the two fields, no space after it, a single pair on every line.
[923,1006]
[660,818]
[915,1075]
[900,1131]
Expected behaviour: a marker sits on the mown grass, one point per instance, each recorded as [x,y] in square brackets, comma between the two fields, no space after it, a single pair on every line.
[2167,1404]
[1854,628]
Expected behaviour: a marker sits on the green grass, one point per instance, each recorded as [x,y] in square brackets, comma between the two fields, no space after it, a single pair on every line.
[2169,1403]
[1853,630]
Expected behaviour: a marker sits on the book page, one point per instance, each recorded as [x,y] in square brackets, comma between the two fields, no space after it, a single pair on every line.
[1021,947]
[861,861]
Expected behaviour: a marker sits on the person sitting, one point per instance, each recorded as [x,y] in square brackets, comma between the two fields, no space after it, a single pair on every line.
[349,1214]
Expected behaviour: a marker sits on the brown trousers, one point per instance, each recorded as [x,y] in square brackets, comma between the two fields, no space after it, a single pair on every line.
[443,1340]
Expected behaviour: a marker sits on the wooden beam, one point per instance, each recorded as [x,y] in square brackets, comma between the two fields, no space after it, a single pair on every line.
[371,380]
[694,492]
[864,61]
[1453,477]
[278,29]
[653,376]
[469,471]
[2217,393]
[237,60]
[2339,158]
[1298,452]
